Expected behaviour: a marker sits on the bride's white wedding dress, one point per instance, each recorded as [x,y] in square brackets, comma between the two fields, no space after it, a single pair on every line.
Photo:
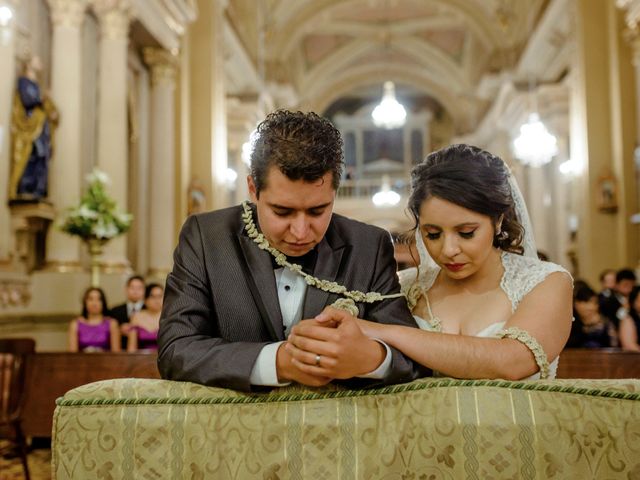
[521,275]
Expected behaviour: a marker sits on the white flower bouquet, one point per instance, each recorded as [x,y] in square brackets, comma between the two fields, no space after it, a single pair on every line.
[97,217]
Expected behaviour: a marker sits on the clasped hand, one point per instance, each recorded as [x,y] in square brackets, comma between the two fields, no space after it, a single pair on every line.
[333,346]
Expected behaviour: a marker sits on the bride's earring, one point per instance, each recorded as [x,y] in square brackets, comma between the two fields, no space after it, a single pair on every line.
[502,234]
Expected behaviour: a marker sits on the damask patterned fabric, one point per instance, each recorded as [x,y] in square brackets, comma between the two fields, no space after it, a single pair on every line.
[427,429]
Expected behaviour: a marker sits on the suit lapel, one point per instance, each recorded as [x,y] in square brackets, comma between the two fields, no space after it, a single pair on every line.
[327,268]
[263,285]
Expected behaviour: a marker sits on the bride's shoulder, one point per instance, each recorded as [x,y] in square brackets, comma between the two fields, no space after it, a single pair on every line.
[519,265]
[522,274]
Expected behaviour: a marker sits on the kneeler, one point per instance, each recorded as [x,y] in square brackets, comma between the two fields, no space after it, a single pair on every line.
[434,428]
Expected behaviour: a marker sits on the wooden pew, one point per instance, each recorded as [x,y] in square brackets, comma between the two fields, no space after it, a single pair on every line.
[598,363]
[51,375]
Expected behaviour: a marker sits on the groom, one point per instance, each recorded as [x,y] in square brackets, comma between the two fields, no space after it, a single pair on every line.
[229,307]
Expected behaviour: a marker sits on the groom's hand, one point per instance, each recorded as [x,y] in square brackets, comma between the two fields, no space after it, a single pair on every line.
[344,350]
[287,371]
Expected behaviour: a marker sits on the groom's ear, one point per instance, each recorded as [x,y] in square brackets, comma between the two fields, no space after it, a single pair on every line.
[253,191]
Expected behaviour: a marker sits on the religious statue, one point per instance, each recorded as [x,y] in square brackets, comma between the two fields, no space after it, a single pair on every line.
[33,122]
[196,197]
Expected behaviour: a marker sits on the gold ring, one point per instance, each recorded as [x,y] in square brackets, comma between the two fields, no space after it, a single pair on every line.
[318,360]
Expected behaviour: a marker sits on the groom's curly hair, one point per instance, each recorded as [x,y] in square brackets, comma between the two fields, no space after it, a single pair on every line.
[303,146]
[471,178]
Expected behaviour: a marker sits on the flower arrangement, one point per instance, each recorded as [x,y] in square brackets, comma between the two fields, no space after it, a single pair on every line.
[97,217]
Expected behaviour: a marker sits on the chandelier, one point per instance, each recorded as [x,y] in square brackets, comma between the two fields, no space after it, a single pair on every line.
[385,197]
[389,113]
[535,146]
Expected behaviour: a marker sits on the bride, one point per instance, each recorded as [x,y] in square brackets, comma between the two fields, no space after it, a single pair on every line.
[486,306]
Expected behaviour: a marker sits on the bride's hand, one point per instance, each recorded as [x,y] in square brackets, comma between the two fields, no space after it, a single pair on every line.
[332,317]
[370,329]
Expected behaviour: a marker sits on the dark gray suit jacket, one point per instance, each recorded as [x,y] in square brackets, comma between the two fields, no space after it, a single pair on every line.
[221,303]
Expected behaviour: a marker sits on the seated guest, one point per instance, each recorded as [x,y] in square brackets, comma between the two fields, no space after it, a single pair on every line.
[616,306]
[607,284]
[630,324]
[144,325]
[134,291]
[93,331]
[590,328]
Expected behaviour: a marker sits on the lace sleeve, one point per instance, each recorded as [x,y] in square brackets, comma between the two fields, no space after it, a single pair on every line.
[523,274]
[532,344]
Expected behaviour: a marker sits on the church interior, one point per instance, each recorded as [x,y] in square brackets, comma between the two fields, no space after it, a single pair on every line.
[154,104]
[163,97]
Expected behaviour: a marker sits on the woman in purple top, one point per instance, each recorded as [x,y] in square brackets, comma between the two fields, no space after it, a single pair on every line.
[93,332]
[143,334]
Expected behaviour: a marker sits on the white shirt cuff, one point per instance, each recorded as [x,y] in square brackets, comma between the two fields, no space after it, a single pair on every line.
[384,368]
[264,371]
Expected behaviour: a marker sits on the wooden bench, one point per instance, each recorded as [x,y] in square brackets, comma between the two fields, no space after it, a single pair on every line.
[51,375]
[598,363]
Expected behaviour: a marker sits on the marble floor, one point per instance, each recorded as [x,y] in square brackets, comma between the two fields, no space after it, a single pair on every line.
[39,460]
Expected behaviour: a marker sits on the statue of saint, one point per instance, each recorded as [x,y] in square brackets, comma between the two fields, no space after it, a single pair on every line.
[33,122]
[196,197]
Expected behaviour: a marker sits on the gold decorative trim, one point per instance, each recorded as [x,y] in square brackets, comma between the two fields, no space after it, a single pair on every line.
[14,292]
[59,266]
[115,267]
[158,272]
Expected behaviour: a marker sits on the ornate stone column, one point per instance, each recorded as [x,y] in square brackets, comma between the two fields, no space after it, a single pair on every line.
[601,82]
[208,136]
[7,87]
[63,252]
[162,164]
[114,17]
[633,36]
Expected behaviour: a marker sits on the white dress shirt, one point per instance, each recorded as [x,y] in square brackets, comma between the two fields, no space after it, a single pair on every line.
[292,289]
[133,307]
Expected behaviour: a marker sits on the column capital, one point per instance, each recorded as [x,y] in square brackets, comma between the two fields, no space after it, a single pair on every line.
[632,8]
[114,17]
[632,36]
[163,66]
[67,13]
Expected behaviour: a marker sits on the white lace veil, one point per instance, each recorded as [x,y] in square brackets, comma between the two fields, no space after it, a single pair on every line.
[528,241]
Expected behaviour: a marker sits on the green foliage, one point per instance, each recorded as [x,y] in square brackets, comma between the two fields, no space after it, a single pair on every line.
[97,216]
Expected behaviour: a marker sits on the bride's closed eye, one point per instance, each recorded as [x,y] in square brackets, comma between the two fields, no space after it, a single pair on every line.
[436,235]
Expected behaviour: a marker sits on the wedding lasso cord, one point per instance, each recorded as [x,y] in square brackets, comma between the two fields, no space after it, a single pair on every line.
[350,297]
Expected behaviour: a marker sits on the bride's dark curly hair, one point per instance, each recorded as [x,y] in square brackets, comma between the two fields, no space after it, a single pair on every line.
[471,178]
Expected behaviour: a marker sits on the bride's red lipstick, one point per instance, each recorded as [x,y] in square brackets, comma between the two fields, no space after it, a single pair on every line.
[454,267]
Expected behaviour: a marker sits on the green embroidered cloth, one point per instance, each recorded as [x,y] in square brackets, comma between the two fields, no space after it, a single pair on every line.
[429,429]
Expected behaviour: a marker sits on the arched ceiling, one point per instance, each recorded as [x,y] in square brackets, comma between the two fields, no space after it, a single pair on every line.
[326,49]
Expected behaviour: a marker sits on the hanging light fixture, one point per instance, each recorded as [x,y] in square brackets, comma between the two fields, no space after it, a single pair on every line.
[389,113]
[6,14]
[385,197]
[535,146]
